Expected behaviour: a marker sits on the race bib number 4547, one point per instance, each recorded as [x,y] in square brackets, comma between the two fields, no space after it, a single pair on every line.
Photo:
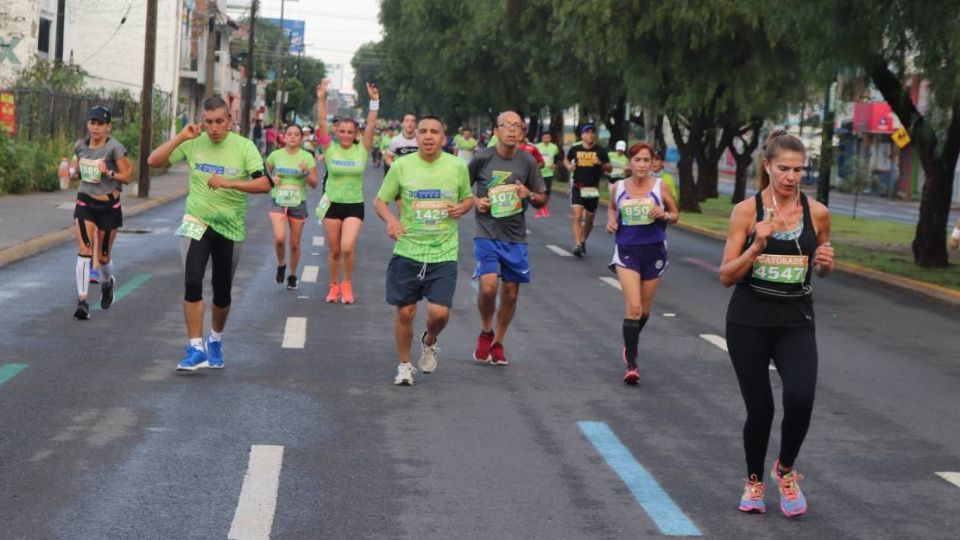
[781,268]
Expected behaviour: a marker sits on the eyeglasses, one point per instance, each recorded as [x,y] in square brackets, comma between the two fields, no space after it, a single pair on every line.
[511,125]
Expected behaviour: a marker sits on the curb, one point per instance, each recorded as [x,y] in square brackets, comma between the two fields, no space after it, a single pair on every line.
[49,240]
[936,292]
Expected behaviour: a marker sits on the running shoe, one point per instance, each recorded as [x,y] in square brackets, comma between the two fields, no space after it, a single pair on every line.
[83,310]
[751,501]
[346,293]
[632,376]
[578,251]
[94,276]
[106,293]
[482,352]
[214,354]
[404,374]
[497,355]
[195,358]
[583,248]
[546,211]
[281,273]
[792,501]
[428,354]
[333,293]
[538,213]
[292,282]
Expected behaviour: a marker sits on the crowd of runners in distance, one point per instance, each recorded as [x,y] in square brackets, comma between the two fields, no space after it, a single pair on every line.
[777,239]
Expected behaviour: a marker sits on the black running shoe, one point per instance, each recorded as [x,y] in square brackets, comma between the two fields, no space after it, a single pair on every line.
[578,251]
[292,282]
[106,293]
[583,249]
[281,272]
[83,310]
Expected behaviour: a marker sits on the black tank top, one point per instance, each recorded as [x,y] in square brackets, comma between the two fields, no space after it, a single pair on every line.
[777,291]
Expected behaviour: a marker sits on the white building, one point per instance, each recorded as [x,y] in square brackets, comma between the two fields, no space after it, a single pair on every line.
[19,31]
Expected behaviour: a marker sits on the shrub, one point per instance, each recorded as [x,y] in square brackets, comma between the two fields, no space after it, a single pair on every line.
[29,165]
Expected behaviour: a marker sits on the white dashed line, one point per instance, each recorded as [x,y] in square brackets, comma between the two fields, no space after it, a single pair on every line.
[952,477]
[559,251]
[258,496]
[613,282]
[310,273]
[295,333]
[669,314]
[716,340]
[318,240]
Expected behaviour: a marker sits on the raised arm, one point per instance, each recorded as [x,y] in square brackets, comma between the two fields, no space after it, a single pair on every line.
[323,133]
[371,128]
[160,157]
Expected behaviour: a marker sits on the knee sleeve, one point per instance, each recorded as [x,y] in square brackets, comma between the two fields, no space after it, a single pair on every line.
[83,232]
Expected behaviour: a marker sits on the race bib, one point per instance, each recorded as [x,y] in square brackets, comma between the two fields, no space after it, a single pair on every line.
[637,211]
[89,170]
[322,207]
[288,196]
[504,201]
[589,193]
[781,268]
[430,216]
[191,227]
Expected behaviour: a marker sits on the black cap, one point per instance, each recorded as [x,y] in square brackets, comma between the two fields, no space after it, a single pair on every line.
[658,153]
[100,113]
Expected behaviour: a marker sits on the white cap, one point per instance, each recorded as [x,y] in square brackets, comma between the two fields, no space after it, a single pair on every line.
[621,145]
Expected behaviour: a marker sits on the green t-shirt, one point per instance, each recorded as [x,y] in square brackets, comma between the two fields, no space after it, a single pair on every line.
[425,189]
[287,172]
[619,164]
[345,169]
[234,158]
[549,153]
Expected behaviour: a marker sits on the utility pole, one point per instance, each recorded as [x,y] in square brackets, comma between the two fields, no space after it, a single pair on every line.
[146,99]
[208,63]
[826,148]
[249,92]
[278,120]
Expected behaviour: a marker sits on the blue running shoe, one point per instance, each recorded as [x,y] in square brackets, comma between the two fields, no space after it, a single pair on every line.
[195,358]
[214,354]
[94,276]
[751,501]
[792,501]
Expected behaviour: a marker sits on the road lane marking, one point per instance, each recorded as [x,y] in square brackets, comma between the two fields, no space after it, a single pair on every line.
[258,496]
[318,241]
[295,333]
[125,288]
[716,340]
[9,371]
[654,500]
[613,282]
[310,273]
[559,251]
[952,477]
[669,314]
[702,264]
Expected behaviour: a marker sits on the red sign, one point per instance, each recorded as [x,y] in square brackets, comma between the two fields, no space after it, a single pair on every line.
[8,114]
[873,118]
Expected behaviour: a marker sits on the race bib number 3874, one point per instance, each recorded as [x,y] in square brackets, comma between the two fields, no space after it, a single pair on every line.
[781,268]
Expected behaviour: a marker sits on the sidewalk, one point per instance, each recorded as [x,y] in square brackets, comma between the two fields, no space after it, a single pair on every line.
[37,221]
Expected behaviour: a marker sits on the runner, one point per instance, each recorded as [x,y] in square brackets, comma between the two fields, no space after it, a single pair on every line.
[224,168]
[342,206]
[404,143]
[102,166]
[376,154]
[588,162]
[659,172]
[385,139]
[776,239]
[465,144]
[638,215]
[618,162]
[550,153]
[293,168]
[955,236]
[505,180]
[433,189]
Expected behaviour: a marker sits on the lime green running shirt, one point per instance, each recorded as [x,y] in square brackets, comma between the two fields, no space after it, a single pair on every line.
[287,172]
[549,153]
[345,167]
[425,189]
[233,158]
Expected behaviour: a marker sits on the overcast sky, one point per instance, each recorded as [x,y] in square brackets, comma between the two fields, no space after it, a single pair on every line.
[335,29]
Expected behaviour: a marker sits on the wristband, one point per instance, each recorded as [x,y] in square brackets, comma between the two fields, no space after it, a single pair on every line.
[374,104]
[956,233]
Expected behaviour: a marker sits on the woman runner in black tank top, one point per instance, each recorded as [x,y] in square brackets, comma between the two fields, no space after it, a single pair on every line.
[776,240]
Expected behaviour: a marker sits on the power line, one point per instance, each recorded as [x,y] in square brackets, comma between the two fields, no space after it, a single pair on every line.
[115,32]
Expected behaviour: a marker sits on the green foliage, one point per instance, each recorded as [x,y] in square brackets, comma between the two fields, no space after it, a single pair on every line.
[30,165]
[43,75]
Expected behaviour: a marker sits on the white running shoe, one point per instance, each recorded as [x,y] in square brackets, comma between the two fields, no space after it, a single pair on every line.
[404,374]
[428,355]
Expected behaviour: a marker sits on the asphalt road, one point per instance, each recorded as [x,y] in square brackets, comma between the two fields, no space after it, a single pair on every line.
[99,438]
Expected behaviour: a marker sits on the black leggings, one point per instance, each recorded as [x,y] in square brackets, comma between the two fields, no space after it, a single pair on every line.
[794,352]
[225,254]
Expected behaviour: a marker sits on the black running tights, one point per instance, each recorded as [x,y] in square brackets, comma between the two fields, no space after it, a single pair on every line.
[794,352]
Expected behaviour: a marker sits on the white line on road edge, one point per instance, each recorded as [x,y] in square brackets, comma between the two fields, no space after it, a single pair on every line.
[669,314]
[716,340]
[258,496]
[310,274]
[613,282]
[952,477]
[295,333]
[559,251]
[318,240]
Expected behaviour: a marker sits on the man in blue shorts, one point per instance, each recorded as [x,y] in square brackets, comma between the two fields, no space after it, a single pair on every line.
[505,180]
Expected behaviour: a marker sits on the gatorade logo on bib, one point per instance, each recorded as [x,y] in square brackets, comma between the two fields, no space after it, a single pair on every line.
[781,268]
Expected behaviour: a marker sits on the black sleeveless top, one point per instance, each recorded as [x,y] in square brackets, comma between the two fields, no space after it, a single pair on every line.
[773,294]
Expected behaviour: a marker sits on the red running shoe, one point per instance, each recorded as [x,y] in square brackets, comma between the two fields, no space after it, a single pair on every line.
[482,352]
[497,356]
[632,376]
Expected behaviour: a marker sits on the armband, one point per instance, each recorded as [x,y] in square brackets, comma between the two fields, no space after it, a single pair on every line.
[374,104]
